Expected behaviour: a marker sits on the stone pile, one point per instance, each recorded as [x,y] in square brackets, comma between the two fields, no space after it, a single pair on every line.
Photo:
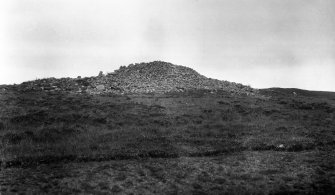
[153,77]
[161,77]
[53,84]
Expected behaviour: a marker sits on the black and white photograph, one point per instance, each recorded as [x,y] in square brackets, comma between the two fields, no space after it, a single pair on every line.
[167,97]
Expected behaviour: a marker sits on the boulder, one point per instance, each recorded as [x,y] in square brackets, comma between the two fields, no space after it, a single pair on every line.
[100,87]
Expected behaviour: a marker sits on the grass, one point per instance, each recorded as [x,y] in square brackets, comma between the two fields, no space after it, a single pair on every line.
[46,127]
[189,124]
[247,172]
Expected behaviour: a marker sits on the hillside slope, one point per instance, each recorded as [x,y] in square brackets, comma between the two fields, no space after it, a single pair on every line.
[211,140]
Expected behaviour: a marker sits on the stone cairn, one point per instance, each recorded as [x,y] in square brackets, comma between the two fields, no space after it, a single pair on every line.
[153,77]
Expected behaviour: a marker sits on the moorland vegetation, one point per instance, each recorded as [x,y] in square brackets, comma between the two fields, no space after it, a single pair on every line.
[161,111]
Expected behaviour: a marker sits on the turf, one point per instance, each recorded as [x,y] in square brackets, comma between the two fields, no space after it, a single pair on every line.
[39,128]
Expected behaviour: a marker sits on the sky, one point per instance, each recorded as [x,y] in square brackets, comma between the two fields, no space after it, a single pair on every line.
[262,43]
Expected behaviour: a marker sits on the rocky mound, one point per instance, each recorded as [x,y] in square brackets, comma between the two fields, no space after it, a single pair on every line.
[153,77]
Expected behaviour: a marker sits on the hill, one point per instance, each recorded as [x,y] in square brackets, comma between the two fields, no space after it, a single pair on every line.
[146,136]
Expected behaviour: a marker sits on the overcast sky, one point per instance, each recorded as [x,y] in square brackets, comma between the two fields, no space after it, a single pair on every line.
[264,43]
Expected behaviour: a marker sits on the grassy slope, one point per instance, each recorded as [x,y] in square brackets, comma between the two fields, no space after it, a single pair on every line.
[43,127]
[35,124]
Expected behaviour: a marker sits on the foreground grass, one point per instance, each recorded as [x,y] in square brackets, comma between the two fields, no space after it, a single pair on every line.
[248,172]
[191,142]
[39,127]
